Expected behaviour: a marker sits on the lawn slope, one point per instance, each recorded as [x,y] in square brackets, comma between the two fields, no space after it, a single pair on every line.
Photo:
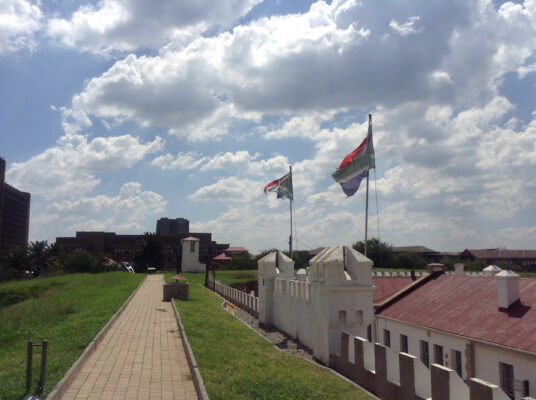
[238,364]
[66,310]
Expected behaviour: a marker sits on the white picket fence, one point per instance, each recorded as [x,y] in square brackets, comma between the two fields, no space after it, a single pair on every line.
[244,300]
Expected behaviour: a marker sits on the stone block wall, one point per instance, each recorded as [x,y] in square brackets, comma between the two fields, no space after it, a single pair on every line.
[176,291]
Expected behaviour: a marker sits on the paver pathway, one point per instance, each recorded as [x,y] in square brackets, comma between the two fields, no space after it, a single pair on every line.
[140,357]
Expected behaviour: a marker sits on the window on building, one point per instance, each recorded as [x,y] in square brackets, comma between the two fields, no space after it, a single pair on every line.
[425,356]
[369,333]
[404,344]
[192,247]
[387,338]
[456,357]
[526,388]
[507,379]
[438,354]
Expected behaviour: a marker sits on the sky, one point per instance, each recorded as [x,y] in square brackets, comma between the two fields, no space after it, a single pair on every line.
[118,112]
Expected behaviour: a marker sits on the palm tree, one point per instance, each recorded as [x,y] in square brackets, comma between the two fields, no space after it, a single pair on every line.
[39,253]
[149,252]
[16,261]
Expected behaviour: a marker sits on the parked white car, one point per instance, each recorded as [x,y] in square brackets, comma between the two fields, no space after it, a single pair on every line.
[125,266]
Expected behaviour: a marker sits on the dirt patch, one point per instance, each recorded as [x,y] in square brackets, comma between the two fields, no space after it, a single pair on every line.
[247,287]
[274,336]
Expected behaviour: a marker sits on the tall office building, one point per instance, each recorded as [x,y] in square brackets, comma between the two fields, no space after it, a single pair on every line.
[14,213]
[172,227]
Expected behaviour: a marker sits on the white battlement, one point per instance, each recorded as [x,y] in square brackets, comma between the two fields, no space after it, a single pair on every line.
[336,295]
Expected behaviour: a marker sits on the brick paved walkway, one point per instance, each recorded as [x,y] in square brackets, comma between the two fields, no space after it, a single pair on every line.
[140,357]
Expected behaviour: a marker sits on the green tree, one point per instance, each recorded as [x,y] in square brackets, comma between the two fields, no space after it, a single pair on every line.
[264,253]
[39,254]
[149,252]
[14,263]
[410,260]
[242,261]
[379,252]
[83,261]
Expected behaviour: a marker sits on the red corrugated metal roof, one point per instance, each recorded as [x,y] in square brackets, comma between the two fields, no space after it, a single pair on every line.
[500,253]
[236,250]
[468,306]
[221,257]
[387,286]
[412,249]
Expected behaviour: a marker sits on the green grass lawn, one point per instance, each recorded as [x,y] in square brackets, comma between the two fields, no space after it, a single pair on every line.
[238,364]
[242,276]
[66,310]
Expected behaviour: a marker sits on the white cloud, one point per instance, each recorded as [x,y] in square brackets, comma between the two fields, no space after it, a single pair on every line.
[182,161]
[126,25]
[524,70]
[238,162]
[69,169]
[406,28]
[231,189]
[125,212]
[19,21]
[271,65]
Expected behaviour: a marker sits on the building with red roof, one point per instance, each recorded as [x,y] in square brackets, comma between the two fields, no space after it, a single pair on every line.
[480,326]
[523,258]
[227,255]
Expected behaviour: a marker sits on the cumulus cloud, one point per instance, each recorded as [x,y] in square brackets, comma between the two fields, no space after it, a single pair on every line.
[69,169]
[272,65]
[19,21]
[126,25]
[182,161]
[125,212]
[231,189]
[406,28]
[238,162]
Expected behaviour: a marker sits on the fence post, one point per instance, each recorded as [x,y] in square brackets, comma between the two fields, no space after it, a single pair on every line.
[43,366]
[29,367]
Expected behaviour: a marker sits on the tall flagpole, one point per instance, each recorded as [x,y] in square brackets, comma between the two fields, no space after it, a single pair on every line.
[366,204]
[291,200]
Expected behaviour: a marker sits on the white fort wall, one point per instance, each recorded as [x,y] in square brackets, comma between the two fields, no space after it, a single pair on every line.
[336,296]
[482,358]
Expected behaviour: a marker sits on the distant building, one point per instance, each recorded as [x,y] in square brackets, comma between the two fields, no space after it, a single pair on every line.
[227,255]
[172,227]
[14,213]
[523,258]
[123,247]
[427,253]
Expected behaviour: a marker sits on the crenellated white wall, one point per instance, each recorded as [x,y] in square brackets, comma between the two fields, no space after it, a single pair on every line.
[335,296]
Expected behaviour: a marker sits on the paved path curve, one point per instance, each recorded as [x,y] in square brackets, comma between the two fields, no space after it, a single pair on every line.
[140,357]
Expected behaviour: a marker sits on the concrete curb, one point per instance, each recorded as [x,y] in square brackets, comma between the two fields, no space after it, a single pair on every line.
[62,385]
[344,378]
[196,375]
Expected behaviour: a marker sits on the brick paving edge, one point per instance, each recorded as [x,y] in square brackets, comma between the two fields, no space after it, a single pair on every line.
[60,388]
[194,369]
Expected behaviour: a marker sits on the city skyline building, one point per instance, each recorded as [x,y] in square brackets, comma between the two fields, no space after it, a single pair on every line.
[14,213]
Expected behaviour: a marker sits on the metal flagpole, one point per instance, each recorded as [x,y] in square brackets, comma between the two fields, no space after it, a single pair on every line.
[291,200]
[366,218]
[366,204]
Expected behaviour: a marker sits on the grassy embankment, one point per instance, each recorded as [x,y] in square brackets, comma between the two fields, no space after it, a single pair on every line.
[68,311]
[238,364]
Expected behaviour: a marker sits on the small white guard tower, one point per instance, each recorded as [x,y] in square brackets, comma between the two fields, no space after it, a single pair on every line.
[190,255]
